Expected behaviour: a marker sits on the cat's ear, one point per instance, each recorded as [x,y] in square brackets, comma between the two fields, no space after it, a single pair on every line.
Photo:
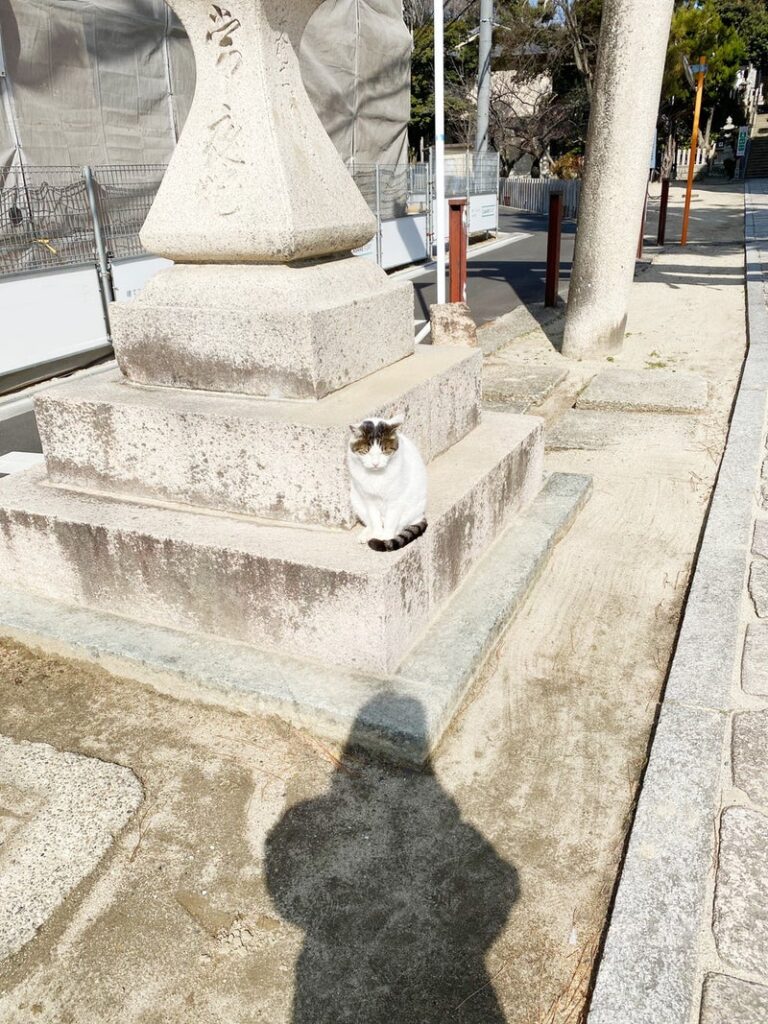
[396,421]
[354,429]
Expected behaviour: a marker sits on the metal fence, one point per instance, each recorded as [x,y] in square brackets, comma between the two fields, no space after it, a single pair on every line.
[532,194]
[46,220]
[124,195]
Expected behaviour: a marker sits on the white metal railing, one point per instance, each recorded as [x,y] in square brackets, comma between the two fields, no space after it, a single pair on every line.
[532,194]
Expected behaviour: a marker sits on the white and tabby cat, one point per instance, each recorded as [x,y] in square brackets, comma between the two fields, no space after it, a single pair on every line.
[389,484]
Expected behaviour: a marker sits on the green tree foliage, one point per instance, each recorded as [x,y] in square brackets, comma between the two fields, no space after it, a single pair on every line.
[750,19]
[698,30]
[460,74]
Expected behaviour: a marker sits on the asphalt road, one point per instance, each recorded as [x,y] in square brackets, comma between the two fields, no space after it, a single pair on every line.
[502,278]
[499,278]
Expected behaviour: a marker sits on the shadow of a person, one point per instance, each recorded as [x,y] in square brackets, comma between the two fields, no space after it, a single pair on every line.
[399,898]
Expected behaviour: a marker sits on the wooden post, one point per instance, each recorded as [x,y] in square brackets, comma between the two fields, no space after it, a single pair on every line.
[457,250]
[552,285]
[694,145]
[664,201]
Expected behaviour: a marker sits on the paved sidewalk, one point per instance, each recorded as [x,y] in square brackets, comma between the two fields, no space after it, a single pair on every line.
[688,938]
[268,875]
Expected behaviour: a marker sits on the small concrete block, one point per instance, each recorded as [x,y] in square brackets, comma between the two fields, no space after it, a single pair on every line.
[270,331]
[452,324]
[758,586]
[754,666]
[65,811]
[733,1001]
[749,755]
[518,387]
[740,921]
[284,461]
[594,430]
[645,391]
[648,969]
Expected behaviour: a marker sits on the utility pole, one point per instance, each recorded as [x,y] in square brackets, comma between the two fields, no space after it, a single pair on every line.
[701,70]
[484,75]
[625,106]
[439,218]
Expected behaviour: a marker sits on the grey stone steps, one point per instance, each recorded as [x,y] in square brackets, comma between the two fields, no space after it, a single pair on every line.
[282,460]
[306,592]
[403,715]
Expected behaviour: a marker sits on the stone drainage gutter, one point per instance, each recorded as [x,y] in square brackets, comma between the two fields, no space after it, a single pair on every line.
[684,929]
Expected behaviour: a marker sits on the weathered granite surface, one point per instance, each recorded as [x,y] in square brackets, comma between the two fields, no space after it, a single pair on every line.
[254,176]
[452,324]
[749,754]
[741,897]
[64,811]
[518,386]
[645,391]
[298,331]
[279,460]
[754,672]
[648,971]
[731,1001]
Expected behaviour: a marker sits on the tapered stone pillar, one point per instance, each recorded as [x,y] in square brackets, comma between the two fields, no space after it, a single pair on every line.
[625,103]
[260,215]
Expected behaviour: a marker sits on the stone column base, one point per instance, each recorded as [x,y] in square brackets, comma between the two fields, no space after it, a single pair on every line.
[298,330]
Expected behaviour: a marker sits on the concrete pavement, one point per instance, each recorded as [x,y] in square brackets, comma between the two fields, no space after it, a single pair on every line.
[688,936]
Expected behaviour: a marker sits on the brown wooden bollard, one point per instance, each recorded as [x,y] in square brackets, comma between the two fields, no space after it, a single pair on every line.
[552,285]
[663,211]
[457,250]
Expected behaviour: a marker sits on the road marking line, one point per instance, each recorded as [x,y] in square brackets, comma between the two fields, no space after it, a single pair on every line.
[16,462]
[427,268]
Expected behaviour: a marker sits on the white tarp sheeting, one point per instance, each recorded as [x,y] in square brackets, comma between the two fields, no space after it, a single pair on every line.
[111,81]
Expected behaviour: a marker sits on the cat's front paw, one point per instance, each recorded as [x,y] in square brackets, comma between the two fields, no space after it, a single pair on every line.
[364,536]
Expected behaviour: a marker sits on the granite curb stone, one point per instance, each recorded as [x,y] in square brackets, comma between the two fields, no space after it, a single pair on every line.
[650,971]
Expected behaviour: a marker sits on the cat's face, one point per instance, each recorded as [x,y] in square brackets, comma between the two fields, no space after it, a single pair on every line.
[375,441]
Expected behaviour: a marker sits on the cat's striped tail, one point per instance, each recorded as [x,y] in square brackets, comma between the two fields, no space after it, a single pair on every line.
[410,533]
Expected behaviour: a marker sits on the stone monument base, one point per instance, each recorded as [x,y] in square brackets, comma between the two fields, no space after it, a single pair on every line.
[437,671]
[299,330]
[304,592]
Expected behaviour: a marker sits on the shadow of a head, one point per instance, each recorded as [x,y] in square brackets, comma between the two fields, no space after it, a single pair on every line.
[398,896]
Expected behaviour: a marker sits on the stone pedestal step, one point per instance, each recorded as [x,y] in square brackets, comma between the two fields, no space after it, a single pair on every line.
[402,715]
[300,331]
[304,592]
[278,460]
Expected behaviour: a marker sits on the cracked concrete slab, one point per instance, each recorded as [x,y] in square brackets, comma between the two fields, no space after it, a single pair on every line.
[518,387]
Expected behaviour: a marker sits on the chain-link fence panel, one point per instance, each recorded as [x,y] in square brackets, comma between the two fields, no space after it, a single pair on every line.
[44,219]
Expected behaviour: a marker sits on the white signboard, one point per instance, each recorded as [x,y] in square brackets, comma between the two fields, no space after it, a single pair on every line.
[483,214]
